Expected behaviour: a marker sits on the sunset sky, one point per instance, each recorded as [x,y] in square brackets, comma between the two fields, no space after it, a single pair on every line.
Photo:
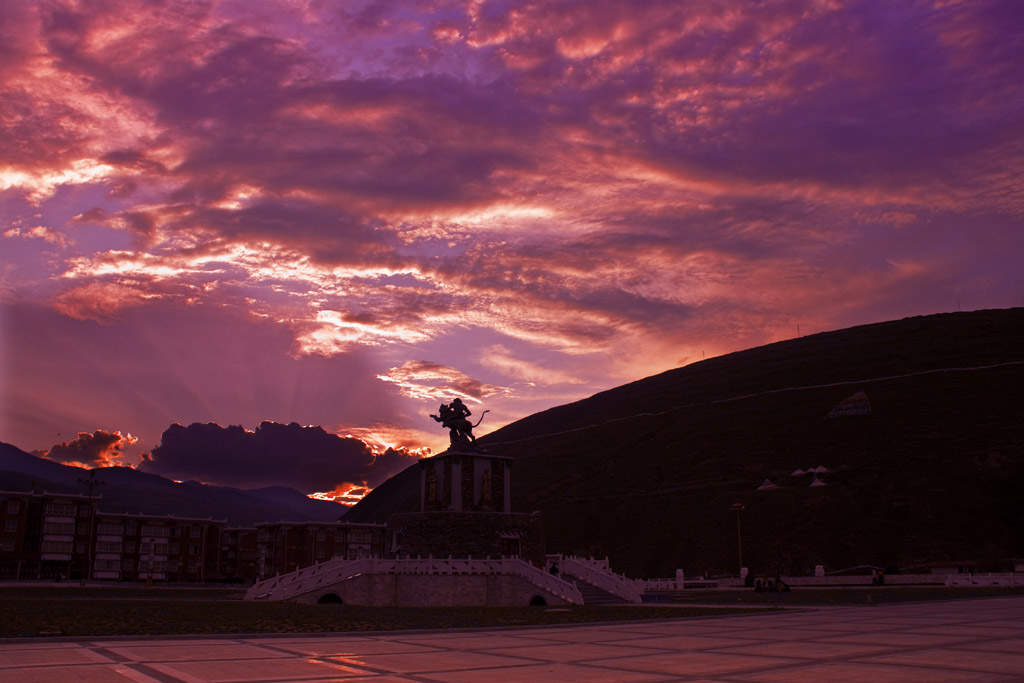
[341,214]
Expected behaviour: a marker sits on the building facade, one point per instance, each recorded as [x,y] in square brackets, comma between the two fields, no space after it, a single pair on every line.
[136,547]
[283,547]
[44,536]
[54,536]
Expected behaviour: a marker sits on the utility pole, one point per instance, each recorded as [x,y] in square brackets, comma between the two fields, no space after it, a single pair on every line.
[91,482]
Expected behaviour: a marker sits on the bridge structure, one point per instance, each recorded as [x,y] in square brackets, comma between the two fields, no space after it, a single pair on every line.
[417,582]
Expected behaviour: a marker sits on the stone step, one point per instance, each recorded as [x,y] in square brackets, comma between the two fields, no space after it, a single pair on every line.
[593,595]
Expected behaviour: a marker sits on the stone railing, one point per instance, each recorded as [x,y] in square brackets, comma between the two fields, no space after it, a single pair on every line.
[542,579]
[654,585]
[1007,579]
[598,573]
[285,586]
[311,578]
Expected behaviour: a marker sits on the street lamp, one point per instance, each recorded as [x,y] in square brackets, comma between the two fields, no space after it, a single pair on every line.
[91,482]
[738,508]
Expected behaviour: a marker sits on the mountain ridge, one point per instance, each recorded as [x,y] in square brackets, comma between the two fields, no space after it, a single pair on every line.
[647,473]
[128,490]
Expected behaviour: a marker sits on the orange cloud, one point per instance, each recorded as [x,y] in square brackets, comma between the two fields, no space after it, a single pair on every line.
[99,449]
[345,494]
[554,185]
[425,380]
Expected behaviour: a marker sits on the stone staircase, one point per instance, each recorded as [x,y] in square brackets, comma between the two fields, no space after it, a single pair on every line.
[605,587]
[592,595]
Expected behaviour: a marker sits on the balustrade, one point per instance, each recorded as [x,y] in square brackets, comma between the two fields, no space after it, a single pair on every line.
[289,585]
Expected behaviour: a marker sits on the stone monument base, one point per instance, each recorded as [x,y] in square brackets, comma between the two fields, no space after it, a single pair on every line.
[467,534]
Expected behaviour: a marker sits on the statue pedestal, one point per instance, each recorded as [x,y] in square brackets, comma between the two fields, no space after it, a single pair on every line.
[465,481]
[467,534]
[466,511]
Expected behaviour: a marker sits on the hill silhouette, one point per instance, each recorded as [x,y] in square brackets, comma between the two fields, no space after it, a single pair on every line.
[129,490]
[647,473]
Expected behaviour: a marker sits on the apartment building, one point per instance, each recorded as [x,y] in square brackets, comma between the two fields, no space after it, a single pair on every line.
[283,547]
[54,536]
[44,536]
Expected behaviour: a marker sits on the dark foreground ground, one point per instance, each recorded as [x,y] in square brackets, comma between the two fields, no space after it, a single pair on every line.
[931,641]
[829,596]
[91,611]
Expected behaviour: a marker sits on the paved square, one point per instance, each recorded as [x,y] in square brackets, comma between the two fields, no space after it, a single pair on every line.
[963,640]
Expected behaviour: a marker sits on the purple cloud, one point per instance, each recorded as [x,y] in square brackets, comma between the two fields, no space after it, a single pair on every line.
[306,458]
[526,194]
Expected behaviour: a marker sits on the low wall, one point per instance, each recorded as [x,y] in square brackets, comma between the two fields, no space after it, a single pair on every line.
[433,590]
[865,580]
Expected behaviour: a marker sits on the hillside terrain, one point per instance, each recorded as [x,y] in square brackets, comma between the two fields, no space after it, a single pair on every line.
[928,467]
[128,490]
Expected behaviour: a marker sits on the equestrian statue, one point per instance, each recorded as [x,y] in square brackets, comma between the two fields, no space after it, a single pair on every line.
[453,417]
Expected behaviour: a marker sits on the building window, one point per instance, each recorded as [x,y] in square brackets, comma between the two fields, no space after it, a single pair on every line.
[159,531]
[83,510]
[106,529]
[152,548]
[7,545]
[107,565]
[81,547]
[13,507]
[193,548]
[321,535]
[133,528]
[129,547]
[62,528]
[60,509]
[195,532]
[193,566]
[56,546]
[174,549]
[11,525]
[108,546]
[321,553]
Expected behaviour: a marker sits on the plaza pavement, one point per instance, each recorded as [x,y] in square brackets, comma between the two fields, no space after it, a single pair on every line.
[963,640]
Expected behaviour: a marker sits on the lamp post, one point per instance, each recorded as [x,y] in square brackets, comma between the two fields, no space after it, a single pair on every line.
[738,508]
[152,557]
[91,482]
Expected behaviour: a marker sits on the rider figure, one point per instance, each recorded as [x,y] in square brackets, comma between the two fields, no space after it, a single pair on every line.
[453,418]
[459,410]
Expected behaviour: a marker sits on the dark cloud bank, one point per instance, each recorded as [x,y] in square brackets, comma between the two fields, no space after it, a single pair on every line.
[305,458]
